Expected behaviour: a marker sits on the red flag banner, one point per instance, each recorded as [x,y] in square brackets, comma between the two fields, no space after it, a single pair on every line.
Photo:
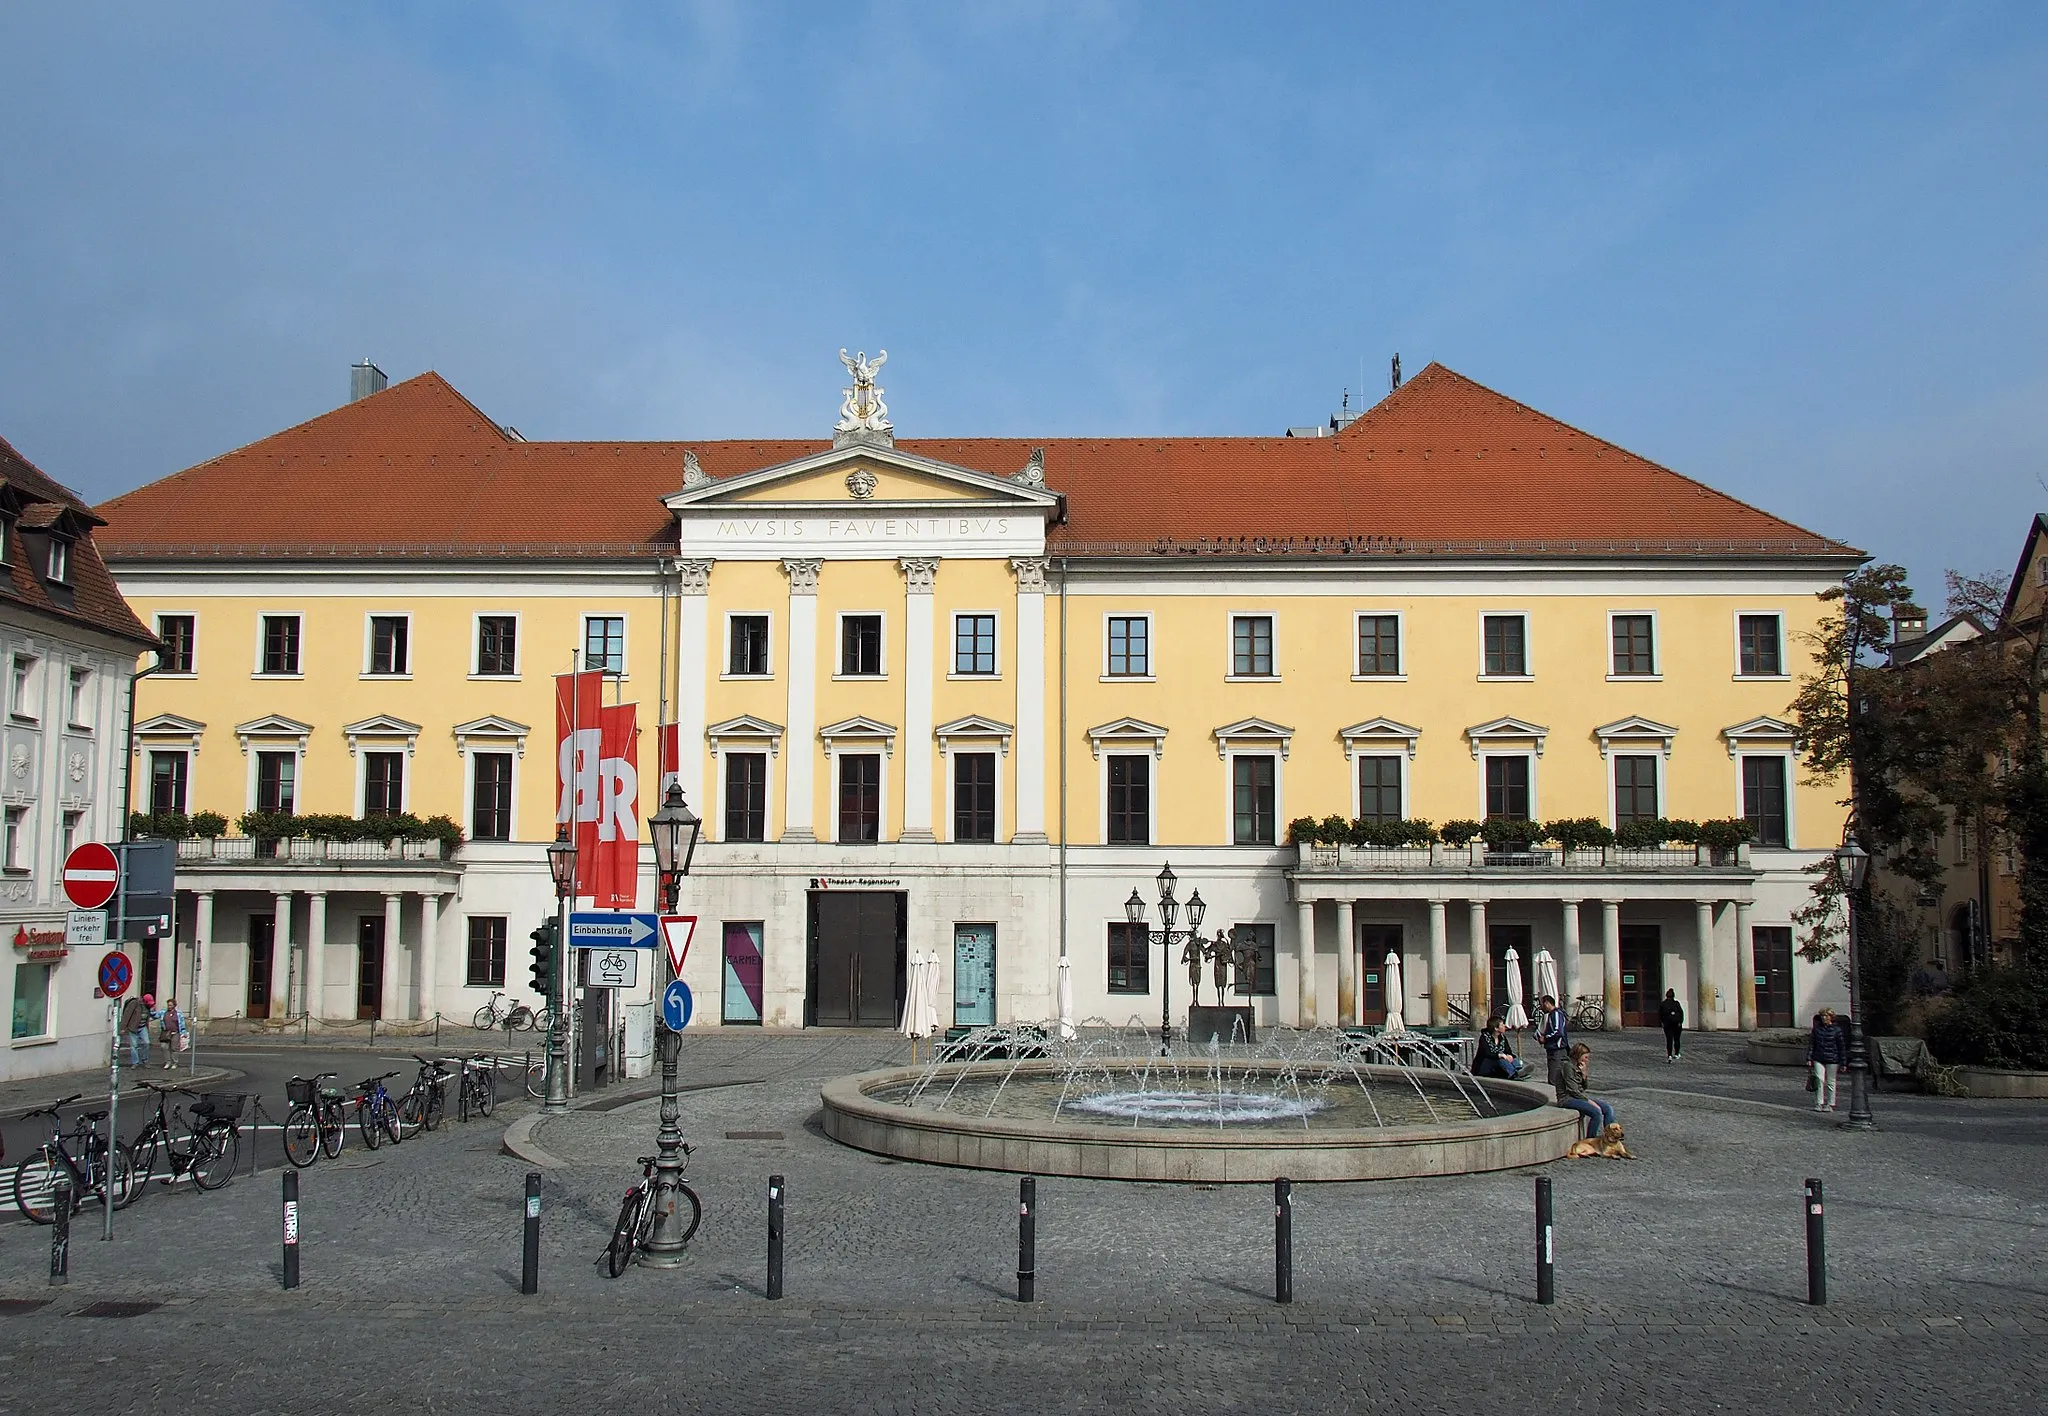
[597,767]
[671,755]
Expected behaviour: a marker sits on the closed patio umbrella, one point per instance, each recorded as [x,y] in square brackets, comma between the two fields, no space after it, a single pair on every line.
[915,989]
[1395,1022]
[1517,1016]
[1546,977]
[931,995]
[1066,1001]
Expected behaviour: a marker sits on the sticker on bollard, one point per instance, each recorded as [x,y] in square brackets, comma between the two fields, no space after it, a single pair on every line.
[775,1236]
[1546,1258]
[1816,1247]
[1027,1239]
[1283,1241]
[291,1229]
[529,1248]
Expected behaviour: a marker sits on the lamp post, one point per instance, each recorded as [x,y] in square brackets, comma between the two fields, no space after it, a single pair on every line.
[675,829]
[1169,914]
[1852,865]
[562,866]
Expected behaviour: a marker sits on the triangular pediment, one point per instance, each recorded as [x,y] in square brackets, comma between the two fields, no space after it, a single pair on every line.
[748,730]
[1379,732]
[1257,731]
[169,725]
[273,725]
[1127,732]
[1635,727]
[381,725]
[864,475]
[1508,729]
[491,726]
[858,731]
[1775,731]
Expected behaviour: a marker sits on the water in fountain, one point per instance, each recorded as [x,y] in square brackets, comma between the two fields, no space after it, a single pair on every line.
[1105,1075]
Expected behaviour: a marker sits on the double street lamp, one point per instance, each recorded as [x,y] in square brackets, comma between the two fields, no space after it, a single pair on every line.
[675,829]
[1852,866]
[562,866]
[1169,914]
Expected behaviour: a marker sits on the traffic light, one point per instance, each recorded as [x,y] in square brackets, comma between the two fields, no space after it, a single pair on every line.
[544,941]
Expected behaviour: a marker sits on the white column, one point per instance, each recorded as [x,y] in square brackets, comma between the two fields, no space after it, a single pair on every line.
[316,954]
[392,1005]
[800,761]
[1703,986]
[281,958]
[1439,966]
[433,936]
[202,958]
[692,681]
[1305,952]
[1568,972]
[1745,966]
[1481,962]
[1610,961]
[1031,699]
[919,574]
[1347,966]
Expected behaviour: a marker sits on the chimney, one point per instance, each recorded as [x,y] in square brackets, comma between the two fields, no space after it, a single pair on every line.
[365,379]
[1395,375]
[1908,622]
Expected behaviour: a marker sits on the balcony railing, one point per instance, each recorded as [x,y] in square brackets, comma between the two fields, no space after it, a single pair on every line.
[305,851]
[1479,856]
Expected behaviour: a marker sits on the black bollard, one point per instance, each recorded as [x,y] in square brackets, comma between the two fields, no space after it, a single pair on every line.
[529,1259]
[1546,1249]
[775,1236]
[291,1229]
[1283,1241]
[1816,1247]
[1027,1239]
[60,1233]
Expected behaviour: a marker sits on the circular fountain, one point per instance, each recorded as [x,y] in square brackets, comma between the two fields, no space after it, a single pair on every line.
[1102,1102]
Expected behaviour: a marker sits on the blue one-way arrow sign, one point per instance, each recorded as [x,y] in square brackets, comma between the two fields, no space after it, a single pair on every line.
[617,929]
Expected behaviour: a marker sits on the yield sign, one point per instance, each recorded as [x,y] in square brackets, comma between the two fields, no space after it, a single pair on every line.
[678,930]
[90,875]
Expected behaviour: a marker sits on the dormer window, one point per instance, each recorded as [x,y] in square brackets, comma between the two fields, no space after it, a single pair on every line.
[60,561]
[7,538]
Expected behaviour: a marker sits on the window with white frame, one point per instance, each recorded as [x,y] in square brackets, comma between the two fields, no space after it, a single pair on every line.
[860,646]
[490,796]
[33,1015]
[746,649]
[78,698]
[74,830]
[1254,798]
[21,687]
[604,644]
[1130,799]
[1507,786]
[497,646]
[1129,646]
[1379,646]
[1760,646]
[14,843]
[383,783]
[167,780]
[1504,646]
[486,952]
[389,656]
[1764,800]
[1635,788]
[1379,789]
[279,654]
[1251,646]
[974,796]
[860,798]
[277,782]
[178,633]
[746,796]
[60,560]
[974,644]
[1635,648]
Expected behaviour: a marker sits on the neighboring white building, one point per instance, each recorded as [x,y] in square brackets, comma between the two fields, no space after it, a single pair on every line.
[68,643]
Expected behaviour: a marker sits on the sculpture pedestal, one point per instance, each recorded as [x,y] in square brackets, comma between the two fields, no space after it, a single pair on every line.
[1222,1025]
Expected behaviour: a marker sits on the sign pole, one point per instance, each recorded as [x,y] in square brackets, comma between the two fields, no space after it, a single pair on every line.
[113,1118]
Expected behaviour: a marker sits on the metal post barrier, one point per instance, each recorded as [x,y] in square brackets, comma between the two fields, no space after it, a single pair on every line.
[1283,1241]
[1816,1247]
[1546,1249]
[775,1236]
[529,1263]
[60,1233]
[1027,1239]
[291,1229]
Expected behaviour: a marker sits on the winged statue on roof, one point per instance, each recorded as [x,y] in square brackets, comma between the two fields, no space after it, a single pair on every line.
[863,411]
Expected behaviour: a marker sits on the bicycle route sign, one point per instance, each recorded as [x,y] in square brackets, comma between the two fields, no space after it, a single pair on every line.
[613,929]
[677,1005]
[611,967]
[90,875]
[116,973]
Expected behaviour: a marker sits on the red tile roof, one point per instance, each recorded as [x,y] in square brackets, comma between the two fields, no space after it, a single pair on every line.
[91,599]
[1443,466]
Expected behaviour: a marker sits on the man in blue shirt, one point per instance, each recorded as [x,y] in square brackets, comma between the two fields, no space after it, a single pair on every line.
[1551,1032]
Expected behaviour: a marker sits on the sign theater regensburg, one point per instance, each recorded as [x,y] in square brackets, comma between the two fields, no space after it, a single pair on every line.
[597,756]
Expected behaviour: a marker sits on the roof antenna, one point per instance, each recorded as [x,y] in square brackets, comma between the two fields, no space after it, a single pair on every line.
[1396,375]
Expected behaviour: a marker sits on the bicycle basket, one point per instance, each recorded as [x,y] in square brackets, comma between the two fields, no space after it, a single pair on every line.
[221,1106]
[299,1091]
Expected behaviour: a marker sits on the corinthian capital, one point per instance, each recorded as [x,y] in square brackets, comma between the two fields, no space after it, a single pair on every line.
[803,575]
[1030,574]
[920,573]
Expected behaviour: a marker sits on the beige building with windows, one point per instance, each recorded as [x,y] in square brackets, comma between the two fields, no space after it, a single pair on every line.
[960,697]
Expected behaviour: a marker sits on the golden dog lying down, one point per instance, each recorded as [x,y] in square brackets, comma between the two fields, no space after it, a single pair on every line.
[1608,1147]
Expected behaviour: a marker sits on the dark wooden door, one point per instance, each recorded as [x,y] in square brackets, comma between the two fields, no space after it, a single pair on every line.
[856,959]
[1376,941]
[1500,938]
[370,966]
[1773,943]
[1642,974]
[262,933]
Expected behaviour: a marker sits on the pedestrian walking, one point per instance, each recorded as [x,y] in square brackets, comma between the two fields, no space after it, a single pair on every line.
[1671,1013]
[173,1027]
[1555,1037]
[1572,1080]
[135,1027]
[1826,1050]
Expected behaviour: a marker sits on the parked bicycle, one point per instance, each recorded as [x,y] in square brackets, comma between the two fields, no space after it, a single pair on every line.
[1589,1013]
[425,1100]
[316,1122]
[377,1112]
[502,1012]
[80,1155]
[477,1092]
[208,1150]
[636,1217]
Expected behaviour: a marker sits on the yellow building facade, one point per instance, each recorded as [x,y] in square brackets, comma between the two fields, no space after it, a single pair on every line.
[955,701]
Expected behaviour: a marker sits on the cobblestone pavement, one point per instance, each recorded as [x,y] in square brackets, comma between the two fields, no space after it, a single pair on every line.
[1680,1277]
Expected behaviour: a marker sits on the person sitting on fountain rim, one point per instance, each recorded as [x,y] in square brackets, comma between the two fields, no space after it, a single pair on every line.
[1555,1037]
[1496,1056]
[1570,1081]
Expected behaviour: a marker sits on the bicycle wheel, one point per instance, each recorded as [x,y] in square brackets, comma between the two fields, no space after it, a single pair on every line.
[410,1115]
[537,1080]
[520,1019]
[214,1153]
[486,1018]
[387,1120]
[431,1109]
[333,1125]
[137,1176]
[626,1233]
[142,1154]
[487,1091]
[686,1196]
[366,1122]
[462,1095]
[123,1179]
[35,1182]
[301,1137]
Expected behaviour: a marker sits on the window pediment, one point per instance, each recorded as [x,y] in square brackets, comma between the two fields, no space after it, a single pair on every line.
[1506,732]
[1127,732]
[273,725]
[973,727]
[1378,734]
[1252,732]
[1774,732]
[381,725]
[170,728]
[858,732]
[1635,732]
[494,729]
[746,731]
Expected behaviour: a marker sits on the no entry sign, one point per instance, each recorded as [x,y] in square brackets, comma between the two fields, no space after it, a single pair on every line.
[90,875]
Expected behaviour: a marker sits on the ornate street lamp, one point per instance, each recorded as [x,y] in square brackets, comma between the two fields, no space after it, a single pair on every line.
[1852,866]
[675,829]
[562,866]
[1169,915]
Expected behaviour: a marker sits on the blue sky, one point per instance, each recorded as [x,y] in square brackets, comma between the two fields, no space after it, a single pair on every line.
[1799,252]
